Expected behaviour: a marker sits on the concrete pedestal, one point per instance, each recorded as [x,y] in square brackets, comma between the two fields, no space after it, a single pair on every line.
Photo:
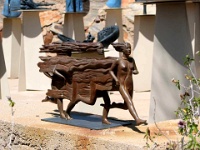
[4,86]
[143,51]
[193,13]
[172,42]
[74,26]
[11,45]
[32,40]
[114,17]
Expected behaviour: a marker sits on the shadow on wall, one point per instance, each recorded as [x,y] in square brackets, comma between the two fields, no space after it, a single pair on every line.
[0,34]
[2,61]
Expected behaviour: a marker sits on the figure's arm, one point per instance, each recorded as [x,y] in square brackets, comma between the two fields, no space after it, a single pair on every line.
[135,70]
[112,72]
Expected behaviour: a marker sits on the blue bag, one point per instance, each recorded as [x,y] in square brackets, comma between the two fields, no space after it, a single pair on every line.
[10,7]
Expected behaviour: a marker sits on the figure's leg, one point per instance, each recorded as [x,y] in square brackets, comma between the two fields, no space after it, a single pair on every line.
[77,99]
[127,98]
[106,107]
[92,99]
[60,108]
[124,105]
[50,99]
[70,106]
[73,101]
[119,105]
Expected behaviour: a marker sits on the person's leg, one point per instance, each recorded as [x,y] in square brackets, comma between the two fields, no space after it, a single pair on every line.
[60,108]
[106,107]
[77,98]
[92,99]
[70,106]
[127,98]
[119,105]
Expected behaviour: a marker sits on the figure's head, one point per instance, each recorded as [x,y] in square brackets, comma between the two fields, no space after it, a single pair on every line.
[123,47]
[127,48]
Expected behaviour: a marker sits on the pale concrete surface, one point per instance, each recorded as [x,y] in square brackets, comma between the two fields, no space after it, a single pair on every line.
[74,26]
[170,49]
[28,104]
[31,42]
[143,51]
[11,45]
[32,133]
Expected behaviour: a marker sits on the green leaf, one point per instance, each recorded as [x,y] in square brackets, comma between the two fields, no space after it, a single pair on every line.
[178,84]
[12,103]
[188,60]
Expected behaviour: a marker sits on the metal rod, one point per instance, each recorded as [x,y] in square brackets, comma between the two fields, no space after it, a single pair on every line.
[144,9]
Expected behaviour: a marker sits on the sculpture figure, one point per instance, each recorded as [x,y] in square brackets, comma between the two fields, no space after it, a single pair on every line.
[10,7]
[108,35]
[90,38]
[113,3]
[85,79]
[30,4]
[125,67]
[74,6]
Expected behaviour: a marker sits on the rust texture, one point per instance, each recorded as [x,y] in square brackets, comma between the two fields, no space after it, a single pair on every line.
[85,79]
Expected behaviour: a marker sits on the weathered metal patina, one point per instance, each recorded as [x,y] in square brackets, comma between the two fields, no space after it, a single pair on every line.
[85,79]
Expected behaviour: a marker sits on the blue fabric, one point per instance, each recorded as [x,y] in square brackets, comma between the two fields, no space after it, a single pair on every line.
[9,8]
[114,3]
[70,7]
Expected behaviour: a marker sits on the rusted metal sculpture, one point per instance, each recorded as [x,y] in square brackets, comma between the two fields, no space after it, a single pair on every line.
[74,5]
[30,4]
[10,7]
[85,79]
[108,35]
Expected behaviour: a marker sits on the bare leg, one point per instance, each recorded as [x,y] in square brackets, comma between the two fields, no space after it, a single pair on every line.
[106,108]
[77,99]
[119,105]
[70,107]
[50,99]
[92,99]
[127,98]
[60,108]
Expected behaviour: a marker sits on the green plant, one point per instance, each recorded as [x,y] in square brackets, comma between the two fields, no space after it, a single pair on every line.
[189,111]
[11,104]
